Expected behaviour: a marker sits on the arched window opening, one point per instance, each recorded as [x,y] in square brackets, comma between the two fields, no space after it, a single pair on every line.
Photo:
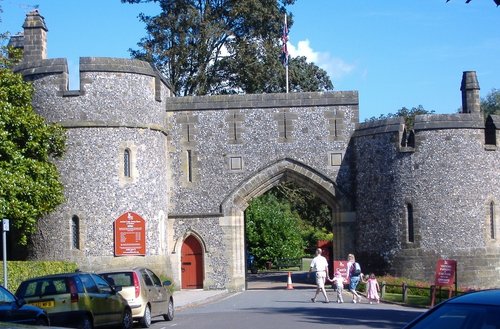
[75,232]
[410,224]
[492,220]
[490,136]
[126,163]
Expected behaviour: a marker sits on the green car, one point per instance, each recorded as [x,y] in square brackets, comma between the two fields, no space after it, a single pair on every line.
[77,300]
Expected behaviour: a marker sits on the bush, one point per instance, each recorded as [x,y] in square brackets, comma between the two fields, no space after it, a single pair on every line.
[18,271]
[415,287]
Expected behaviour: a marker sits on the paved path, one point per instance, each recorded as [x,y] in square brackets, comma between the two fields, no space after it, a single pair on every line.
[259,281]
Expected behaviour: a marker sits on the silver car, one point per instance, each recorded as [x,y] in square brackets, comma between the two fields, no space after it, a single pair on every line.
[146,295]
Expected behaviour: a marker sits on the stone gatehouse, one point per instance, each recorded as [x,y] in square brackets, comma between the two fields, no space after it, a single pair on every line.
[189,167]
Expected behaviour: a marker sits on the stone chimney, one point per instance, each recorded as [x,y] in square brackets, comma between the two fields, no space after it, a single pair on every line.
[471,102]
[35,37]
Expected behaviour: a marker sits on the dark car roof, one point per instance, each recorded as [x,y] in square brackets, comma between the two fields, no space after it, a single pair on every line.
[127,269]
[59,275]
[483,297]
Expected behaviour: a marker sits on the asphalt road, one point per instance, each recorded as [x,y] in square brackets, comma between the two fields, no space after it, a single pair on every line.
[281,308]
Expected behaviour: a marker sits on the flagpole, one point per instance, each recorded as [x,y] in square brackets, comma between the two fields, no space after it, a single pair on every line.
[286,67]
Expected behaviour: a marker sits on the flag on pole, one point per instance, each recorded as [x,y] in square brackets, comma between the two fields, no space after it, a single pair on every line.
[284,49]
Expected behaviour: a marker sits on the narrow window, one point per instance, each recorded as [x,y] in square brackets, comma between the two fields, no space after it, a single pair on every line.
[490,136]
[492,220]
[75,232]
[409,218]
[126,163]
[189,165]
[284,125]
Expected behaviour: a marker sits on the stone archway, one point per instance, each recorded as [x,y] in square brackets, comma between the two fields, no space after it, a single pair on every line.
[238,200]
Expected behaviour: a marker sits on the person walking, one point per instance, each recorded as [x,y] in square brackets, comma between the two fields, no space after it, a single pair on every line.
[338,281]
[319,265]
[372,289]
[354,270]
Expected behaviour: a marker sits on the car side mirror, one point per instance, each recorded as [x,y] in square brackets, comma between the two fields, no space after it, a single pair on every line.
[167,283]
[20,302]
[117,288]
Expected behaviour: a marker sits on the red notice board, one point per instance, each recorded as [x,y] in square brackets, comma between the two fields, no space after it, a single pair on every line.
[130,235]
[341,265]
[445,272]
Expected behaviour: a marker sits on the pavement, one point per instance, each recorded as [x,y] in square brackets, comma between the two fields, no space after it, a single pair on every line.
[260,281]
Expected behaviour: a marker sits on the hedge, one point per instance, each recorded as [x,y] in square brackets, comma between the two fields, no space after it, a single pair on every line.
[18,271]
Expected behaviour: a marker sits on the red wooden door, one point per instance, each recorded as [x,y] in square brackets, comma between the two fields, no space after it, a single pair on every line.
[192,264]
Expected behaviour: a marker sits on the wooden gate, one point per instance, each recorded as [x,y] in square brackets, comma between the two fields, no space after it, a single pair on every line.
[192,264]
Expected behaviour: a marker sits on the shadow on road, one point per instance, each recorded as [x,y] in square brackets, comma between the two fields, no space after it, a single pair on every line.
[359,316]
[279,280]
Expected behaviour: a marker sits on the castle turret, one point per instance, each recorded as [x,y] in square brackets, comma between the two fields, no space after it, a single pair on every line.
[35,37]
[470,93]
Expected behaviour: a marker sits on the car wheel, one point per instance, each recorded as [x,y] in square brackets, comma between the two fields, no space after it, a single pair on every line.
[170,311]
[41,321]
[127,321]
[85,323]
[146,319]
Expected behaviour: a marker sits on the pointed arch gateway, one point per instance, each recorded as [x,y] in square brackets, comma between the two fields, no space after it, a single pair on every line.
[237,201]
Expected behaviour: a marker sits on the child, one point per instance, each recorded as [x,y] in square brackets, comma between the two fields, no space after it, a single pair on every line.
[338,280]
[372,289]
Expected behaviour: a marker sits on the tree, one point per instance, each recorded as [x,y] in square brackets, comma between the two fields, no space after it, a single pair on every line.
[222,47]
[306,76]
[497,2]
[271,229]
[29,181]
[407,114]
[491,103]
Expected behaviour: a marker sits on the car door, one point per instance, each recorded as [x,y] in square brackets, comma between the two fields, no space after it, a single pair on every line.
[161,295]
[151,290]
[10,311]
[108,303]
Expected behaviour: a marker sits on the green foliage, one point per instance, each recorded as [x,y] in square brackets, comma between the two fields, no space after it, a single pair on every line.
[18,271]
[497,2]
[29,182]
[315,214]
[406,113]
[395,284]
[306,76]
[223,47]
[491,103]
[271,229]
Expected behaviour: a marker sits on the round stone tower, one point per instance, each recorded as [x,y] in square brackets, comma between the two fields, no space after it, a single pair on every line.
[116,156]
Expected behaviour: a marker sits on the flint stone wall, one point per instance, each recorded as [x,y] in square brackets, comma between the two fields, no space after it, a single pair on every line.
[449,179]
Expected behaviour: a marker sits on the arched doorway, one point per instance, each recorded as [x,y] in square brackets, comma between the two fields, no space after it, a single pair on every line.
[235,204]
[191,264]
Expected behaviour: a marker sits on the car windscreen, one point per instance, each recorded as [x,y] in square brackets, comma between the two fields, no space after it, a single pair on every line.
[454,315]
[43,287]
[119,279]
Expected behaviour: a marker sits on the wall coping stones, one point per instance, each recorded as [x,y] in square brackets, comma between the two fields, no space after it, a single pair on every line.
[102,124]
[42,66]
[379,127]
[124,65]
[449,121]
[224,102]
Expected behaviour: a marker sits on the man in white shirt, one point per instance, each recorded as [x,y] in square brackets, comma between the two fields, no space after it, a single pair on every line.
[319,265]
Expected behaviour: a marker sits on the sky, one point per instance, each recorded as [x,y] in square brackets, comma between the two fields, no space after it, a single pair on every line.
[395,53]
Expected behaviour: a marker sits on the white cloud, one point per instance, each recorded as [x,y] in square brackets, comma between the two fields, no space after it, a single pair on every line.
[335,67]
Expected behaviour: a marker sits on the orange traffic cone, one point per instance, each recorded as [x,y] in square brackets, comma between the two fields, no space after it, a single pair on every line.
[289,283]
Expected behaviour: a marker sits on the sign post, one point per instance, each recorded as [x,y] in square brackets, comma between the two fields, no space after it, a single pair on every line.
[445,276]
[341,265]
[130,235]
[5,229]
